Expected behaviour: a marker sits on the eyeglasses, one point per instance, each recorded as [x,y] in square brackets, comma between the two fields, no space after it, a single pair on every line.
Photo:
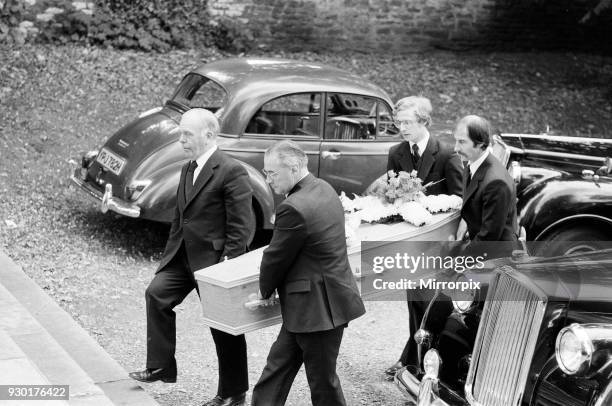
[269,174]
[406,123]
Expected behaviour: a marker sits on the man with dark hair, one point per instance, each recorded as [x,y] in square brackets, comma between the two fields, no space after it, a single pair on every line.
[489,194]
[307,263]
[212,221]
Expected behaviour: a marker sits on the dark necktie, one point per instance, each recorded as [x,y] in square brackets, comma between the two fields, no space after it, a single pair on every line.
[189,178]
[415,155]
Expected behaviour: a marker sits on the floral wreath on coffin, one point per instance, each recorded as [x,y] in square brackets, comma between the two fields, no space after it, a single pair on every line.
[397,197]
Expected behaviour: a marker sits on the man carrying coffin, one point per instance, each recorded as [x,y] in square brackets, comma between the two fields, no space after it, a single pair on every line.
[212,221]
[489,196]
[435,163]
[307,263]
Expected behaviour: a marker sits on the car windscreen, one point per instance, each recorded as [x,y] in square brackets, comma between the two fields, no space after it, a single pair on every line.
[199,91]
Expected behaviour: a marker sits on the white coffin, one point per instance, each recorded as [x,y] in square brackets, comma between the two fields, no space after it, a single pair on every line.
[225,287]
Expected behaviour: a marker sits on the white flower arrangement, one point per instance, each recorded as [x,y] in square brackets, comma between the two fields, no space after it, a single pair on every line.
[441,203]
[414,213]
[399,198]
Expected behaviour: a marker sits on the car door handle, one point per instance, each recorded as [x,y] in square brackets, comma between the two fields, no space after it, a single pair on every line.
[333,155]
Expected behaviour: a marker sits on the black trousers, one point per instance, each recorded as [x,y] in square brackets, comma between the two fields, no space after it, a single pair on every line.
[168,289]
[318,352]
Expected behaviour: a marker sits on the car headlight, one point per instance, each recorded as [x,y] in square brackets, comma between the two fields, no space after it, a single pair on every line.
[431,363]
[462,306]
[573,349]
[135,188]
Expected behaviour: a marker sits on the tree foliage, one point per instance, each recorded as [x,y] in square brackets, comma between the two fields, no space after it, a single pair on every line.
[150,25]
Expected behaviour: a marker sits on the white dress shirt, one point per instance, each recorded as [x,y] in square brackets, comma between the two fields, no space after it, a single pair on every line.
[476,164]
[421,144]
[202,159]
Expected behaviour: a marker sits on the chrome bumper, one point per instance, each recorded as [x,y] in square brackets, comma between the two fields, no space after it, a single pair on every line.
[421,393]
[107,200]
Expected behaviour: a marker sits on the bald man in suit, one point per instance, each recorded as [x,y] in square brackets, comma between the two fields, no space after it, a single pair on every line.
[212,222]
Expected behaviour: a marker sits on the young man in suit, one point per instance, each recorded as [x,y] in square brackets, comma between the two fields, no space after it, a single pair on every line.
[422,152]
[307,263]
[489,197]
[434,162]
[212,221]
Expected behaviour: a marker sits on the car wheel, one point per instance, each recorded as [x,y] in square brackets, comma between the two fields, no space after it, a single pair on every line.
[572,241]
[258,236]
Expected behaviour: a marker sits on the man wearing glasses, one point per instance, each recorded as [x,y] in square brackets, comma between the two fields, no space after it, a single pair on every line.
[435,163]
[307,263]
[422,152]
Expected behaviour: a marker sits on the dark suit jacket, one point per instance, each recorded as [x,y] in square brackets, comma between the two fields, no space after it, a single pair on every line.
[214,221]
[489,205]
[437,162]
[307,261]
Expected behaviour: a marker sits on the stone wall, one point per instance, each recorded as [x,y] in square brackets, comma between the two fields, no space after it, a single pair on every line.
[386,26]
[409,25]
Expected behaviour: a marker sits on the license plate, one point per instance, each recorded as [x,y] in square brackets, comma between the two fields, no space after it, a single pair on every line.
[110,161]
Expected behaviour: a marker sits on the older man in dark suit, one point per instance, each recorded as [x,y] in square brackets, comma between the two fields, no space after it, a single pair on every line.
[489,197]
[434,162]
[307,263]
[212,221]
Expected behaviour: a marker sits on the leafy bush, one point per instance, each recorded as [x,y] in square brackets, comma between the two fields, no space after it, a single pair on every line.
[150,25]
[71,25]
[10,16]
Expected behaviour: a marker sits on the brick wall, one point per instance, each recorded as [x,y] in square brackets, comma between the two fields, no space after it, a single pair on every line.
[408,25]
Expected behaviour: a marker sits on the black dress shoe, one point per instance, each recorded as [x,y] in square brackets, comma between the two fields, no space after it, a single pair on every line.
[237,400]
[155,374]
[393,369]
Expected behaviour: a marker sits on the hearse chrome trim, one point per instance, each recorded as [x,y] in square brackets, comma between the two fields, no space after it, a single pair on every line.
[564,155]
[501,356]
[562,138]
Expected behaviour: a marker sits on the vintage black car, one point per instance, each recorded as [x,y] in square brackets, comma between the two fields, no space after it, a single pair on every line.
[564,190]
[543,336]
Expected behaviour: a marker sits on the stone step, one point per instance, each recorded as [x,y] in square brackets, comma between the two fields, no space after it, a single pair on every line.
[45,356]
[16,367]
[43,339]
